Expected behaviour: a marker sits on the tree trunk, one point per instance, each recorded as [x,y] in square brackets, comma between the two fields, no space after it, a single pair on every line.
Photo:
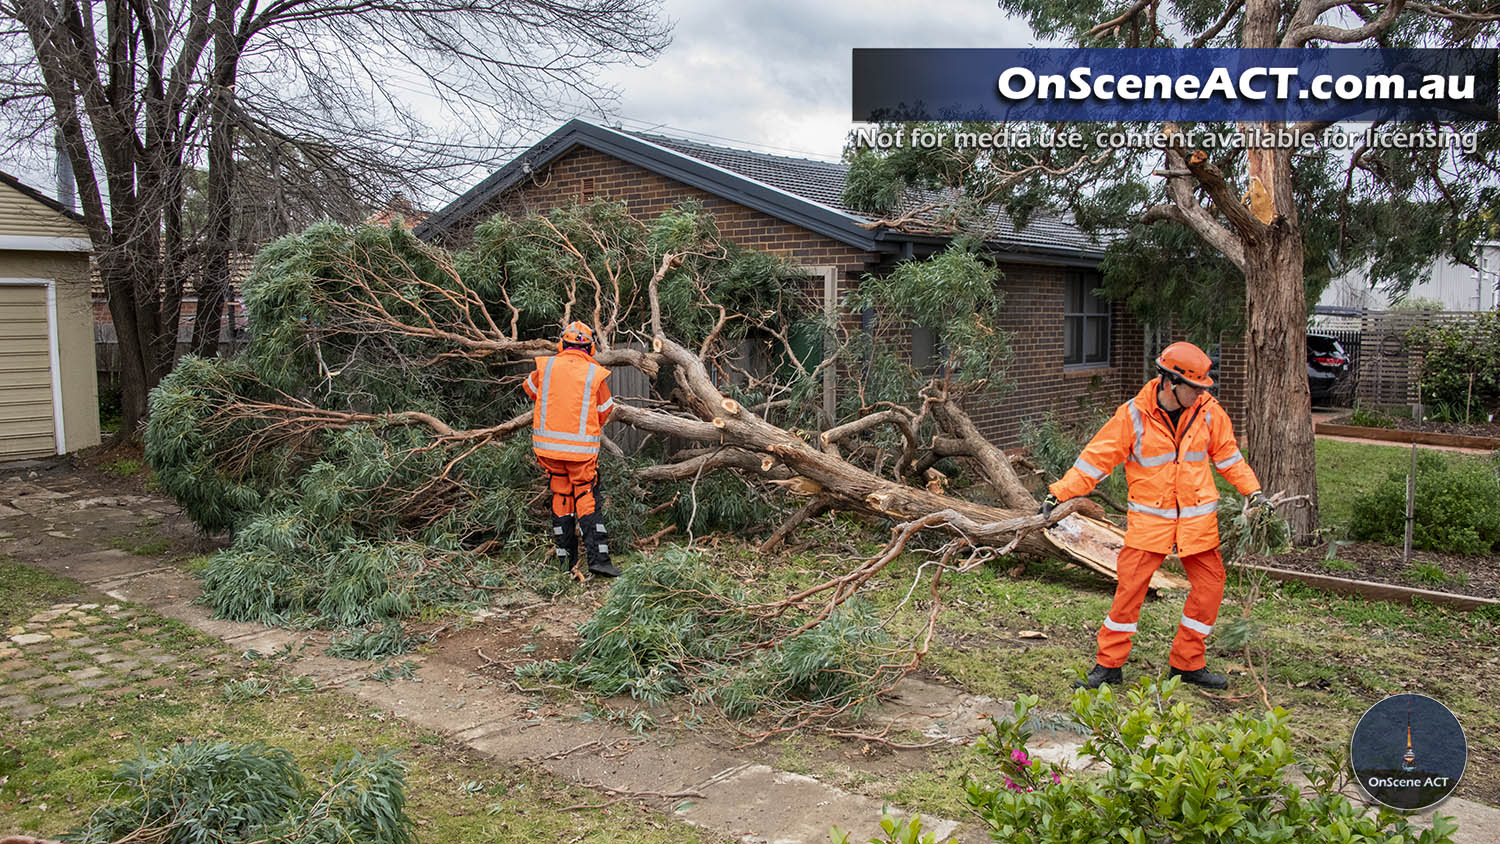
[1279,432]
[213,283]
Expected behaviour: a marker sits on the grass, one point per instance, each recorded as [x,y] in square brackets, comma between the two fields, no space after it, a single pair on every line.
[142,542]
[24,590]
[454,796]
[56,769]
[1326,658]
[1430,574]
[1348,470]
[124,467]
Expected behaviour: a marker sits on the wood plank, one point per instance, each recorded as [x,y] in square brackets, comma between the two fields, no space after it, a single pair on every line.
[1371,589]
[1393,435]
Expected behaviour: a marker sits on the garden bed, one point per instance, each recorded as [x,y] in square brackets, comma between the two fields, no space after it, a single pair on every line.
[1449,573]
[1429,426]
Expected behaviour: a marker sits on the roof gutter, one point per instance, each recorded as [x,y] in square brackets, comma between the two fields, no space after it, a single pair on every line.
[1044,255]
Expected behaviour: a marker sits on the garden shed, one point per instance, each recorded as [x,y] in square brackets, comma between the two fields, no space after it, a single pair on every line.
[48,393]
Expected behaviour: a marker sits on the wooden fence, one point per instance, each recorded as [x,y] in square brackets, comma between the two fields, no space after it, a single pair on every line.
[1385,366]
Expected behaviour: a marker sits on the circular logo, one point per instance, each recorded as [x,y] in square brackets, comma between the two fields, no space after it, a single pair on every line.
[1408,752]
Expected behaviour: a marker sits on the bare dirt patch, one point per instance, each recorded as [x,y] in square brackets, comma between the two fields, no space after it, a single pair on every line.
[530,633]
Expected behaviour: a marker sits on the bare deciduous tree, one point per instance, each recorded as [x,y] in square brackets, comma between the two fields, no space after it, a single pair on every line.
[316,92]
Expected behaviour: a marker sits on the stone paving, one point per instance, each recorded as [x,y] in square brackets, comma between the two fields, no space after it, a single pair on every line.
[74,654]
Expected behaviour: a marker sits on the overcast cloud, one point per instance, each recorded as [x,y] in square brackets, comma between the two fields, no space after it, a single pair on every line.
[777,73]
[771,75]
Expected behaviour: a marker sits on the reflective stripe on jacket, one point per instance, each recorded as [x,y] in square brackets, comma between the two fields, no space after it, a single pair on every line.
[572,405]
[1173,500]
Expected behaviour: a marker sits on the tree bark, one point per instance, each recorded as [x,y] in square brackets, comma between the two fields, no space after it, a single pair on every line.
[213,283]
[1279,434]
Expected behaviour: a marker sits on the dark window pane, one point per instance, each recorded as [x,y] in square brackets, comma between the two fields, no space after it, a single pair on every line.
[1096,304]
[1073,340]
[924,350]
[1096,349]
[1073,300]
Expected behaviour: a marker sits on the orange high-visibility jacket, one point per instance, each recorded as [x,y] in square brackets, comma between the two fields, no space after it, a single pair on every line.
[1173,500]
[572,405]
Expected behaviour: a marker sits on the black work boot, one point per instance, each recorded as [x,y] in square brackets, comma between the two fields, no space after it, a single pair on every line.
[1098,676]
[596,544]
[1201,677]
[565,537]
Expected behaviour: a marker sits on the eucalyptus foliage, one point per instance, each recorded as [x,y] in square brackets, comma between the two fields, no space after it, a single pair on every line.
[673,625]
[244,794]
[954,295]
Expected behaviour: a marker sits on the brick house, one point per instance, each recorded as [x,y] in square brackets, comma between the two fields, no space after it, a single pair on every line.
[1072,351]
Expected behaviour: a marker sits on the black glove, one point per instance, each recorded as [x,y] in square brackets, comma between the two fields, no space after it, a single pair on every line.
[1047,504]
[1258,499]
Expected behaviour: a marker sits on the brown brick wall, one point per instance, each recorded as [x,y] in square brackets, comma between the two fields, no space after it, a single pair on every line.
[1033,304]
[1033,317]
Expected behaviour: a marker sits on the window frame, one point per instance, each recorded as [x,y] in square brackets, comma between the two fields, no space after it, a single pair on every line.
[1089,282]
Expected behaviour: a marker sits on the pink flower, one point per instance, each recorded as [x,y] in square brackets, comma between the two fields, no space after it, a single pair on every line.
[1055,778]
[1019,757]
[1011,784]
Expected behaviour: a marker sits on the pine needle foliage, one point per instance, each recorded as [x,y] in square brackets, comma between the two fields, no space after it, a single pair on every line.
[673,625]
[241,794]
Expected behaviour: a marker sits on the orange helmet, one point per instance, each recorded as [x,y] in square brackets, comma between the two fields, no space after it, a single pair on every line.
[1185,362]
[576,334]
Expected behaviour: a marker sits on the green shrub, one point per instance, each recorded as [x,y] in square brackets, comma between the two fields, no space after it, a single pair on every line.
[1456,507]
[1366,417]
[1170,779]
[239,794]
[1461,366]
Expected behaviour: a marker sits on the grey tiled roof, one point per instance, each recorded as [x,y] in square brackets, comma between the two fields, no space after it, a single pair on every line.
[823,182]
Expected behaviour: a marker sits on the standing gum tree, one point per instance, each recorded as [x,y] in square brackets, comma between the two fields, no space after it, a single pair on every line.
[1265,225]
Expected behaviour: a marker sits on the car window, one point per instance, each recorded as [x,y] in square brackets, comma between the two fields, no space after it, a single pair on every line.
[1323,345]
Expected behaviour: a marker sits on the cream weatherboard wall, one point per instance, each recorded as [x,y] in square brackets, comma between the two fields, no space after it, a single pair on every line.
[48,386]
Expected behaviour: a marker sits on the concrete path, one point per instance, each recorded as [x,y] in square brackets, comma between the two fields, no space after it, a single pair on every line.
[68,654]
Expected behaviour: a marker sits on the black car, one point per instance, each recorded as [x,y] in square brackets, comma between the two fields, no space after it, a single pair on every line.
[1327,367]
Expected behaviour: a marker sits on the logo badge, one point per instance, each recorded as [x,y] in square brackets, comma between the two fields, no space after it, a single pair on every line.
[1408,752]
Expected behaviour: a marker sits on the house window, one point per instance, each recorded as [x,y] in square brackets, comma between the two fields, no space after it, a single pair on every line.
[926,352]
[1085,321]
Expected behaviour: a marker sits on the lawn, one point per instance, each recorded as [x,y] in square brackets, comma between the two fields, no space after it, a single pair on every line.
[1324,658]
[1349,470]
[56,769]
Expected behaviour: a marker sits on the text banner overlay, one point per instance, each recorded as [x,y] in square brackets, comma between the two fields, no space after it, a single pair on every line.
[1181,84]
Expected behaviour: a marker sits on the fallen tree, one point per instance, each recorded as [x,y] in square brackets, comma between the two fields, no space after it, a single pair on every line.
[363,448]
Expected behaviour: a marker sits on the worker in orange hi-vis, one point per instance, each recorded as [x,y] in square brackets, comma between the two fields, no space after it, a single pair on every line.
[1171,437]
[567,425]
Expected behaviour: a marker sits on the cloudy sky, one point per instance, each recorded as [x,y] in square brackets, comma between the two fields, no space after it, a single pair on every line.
[775,75]
[771,75]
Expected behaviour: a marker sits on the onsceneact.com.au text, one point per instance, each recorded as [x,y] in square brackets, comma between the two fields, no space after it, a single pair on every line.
[1020,84]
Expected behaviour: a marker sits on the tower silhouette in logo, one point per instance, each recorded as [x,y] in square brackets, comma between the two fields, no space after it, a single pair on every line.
[1409,761]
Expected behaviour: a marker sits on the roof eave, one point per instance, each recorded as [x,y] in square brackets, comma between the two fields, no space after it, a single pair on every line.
[707,177]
